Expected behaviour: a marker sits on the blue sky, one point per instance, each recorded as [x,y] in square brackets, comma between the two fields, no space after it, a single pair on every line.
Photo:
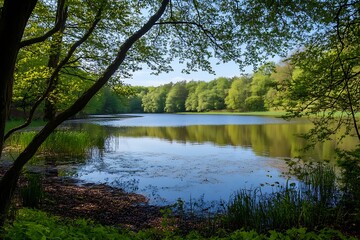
[144,78]
[230,69]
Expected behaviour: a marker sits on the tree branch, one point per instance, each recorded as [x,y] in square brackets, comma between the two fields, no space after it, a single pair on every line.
[81,102]
[55,73]
[207,33]
[62,11]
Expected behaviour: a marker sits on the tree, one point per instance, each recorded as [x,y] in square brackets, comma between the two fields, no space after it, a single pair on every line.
[154,100]
[238,92]
[282,75]
[135,104]
[206,100]
[192,101]
[141,32]
[219,89]
[254,103]
[262,81]
[328,76]
[175,100]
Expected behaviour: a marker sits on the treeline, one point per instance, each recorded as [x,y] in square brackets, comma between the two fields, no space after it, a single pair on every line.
[259,91]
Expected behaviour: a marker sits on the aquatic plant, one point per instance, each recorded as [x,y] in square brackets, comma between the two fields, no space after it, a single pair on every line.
[310,203]
[60,142]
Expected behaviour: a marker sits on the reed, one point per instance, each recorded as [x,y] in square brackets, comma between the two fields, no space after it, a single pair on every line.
[311,203]
[32,193]
[60,142]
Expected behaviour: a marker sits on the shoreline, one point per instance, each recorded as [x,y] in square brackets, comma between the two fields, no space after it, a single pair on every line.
[103,204]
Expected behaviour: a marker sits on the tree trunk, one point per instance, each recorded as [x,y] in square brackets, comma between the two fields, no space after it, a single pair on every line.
[55,51]
[13,19]
[9,181]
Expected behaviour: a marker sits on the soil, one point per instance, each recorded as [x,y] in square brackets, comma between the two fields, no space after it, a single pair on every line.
[103,204]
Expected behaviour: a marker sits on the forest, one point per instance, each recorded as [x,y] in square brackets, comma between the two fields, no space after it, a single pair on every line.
[261,91]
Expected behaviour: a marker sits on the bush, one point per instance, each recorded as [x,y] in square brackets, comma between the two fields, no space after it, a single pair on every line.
[33,224]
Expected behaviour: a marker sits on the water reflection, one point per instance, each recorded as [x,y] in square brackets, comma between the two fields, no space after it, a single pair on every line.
[166,156]
[273,140]
[167,170]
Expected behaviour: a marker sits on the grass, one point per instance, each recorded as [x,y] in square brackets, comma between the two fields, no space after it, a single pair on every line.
[32,193]
[314,202]
[59,142]
[265,113]
[14,123]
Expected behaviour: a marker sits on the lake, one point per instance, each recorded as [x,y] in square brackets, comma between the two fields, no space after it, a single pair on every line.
[192,157]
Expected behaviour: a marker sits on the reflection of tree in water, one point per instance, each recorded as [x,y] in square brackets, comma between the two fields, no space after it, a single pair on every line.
[274,140]
[131,185]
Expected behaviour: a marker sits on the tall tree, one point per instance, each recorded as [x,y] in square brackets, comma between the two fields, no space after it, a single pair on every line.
[154,101]
[175,100]
[238,92]
[219,89]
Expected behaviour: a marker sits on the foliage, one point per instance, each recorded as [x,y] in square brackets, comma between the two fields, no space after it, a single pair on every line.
[108,101]
[327,85]
[175,100]
[154,100]
[32,224]
[349,161]
[238,92]
[255,103]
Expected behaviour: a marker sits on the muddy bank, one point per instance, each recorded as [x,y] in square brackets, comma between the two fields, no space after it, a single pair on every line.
[65,197]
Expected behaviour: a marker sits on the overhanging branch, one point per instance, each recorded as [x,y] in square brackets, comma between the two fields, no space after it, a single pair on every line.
[55,74]
[207,33]
[62,12]
[81,102]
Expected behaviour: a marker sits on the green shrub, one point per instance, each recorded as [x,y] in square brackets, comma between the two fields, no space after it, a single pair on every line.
[34,225]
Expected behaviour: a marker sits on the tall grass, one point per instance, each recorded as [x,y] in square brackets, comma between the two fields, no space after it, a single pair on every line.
[311,203]
[60,142]
[32,192]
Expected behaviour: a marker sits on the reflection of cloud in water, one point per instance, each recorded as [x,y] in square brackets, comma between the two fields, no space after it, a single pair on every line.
[167,171]
[209,157]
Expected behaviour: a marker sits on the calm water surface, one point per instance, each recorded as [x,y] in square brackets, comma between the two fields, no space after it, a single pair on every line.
[171,156]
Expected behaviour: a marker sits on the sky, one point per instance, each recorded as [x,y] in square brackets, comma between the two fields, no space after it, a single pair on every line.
[229,70]
[144,78]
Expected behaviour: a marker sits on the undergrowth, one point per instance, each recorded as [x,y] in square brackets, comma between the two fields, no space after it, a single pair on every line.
[34,225]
